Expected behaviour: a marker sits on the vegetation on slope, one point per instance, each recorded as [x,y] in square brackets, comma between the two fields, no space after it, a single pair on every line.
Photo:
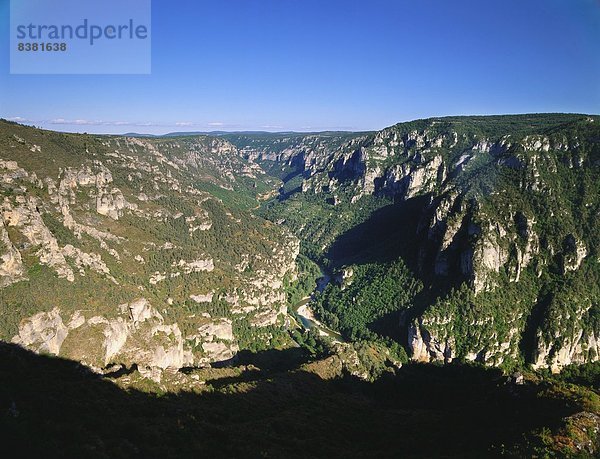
[532,179]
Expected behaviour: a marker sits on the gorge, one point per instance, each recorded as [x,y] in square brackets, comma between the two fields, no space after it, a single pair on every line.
[179,260]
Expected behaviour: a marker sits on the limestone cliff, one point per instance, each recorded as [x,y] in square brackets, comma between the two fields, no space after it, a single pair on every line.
[502,204]
[162,227]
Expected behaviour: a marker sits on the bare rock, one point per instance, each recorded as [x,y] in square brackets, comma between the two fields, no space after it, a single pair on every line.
[43,332]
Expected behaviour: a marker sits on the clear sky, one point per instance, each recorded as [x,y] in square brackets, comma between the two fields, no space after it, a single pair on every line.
[327,64]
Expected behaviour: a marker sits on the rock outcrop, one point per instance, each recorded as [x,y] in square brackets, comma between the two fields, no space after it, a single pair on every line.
[44,332]
[24,215]
[11,263]
[138,335]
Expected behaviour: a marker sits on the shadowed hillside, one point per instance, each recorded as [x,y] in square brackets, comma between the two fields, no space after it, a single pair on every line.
[55,407]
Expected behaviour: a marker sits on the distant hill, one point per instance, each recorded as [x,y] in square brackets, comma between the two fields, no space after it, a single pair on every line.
[234,133]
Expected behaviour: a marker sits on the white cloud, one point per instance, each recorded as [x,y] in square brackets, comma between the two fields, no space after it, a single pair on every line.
[78,122]
[83,122]
[19,119]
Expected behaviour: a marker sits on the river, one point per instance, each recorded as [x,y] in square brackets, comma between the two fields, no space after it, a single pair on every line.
[306,315]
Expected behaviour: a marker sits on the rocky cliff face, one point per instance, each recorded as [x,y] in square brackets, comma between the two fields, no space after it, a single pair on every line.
[137,335]
[504,203]
[146,251]
[503,234]
[511,227]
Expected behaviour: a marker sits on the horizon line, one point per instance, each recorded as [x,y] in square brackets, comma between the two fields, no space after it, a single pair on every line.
[224,130]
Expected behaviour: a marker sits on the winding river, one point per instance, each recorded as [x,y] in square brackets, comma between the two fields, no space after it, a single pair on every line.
[306,315]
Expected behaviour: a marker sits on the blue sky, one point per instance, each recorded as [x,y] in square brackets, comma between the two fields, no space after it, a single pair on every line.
[327,64]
